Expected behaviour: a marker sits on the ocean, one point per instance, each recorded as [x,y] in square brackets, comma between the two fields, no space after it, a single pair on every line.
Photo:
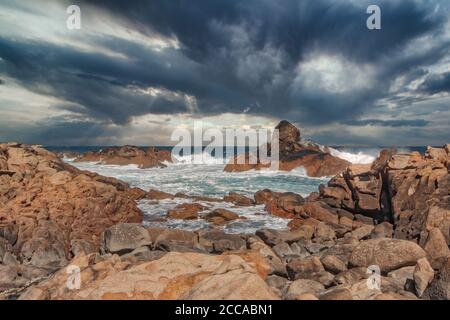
[208,179]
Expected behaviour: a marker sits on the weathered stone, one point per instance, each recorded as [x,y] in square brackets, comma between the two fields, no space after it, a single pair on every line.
[177,240]
[188,276]
[239,199]
[333,264]
[280,283]
[439,288]
[217,241]
[319,211]
[293,153]
[423,275]
[82,246]
[324,232]
[289,252]
[303,286]
[186,211]
[125,155]
[337,294]
[362,232]
[388,254]
[143,254]
[382,230]
[124,238]
[436,245]
[220,216]
[278,267]
[403,275]
[302,268]
[351,276]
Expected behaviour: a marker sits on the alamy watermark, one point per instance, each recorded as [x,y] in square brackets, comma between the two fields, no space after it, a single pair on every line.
[73,21]
[373,22]
[256,146]
[374,280]
[74,277]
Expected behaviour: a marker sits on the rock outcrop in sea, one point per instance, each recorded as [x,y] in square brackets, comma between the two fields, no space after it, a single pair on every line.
[294,152]
[142,157]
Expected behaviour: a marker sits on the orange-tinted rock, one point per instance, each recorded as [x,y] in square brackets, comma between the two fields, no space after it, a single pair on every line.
[279,204]
[174,276]
[186,211]
[51,203]
[293,153]
[221,216]
[238,199]
[143,158]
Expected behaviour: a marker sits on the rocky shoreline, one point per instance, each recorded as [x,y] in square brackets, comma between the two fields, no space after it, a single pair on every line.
[393,214]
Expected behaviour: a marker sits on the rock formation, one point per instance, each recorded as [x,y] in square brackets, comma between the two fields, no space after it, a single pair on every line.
[142,157]
[294,152]
[50,210]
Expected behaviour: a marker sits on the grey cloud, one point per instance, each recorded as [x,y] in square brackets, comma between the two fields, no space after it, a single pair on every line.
[436,83]
[388,123]
[234,56]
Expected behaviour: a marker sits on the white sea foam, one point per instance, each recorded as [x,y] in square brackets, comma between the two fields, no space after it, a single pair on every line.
[209,179]
[356,158]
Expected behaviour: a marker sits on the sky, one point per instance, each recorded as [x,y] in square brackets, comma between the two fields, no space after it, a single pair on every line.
[138,70]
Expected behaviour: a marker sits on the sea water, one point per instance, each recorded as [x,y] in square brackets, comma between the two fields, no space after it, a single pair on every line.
[209,179]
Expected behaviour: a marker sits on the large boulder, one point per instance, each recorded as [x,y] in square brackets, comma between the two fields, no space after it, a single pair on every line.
[238,199]
[184,276]
[217,241]
[124,238]
[439,288]
[279,204]
[221,216]
[387,254]
[294,152]
[186,211]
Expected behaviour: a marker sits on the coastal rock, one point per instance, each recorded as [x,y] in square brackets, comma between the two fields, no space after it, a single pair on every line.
[124,238]
[304,268]
[294,152]
[333,264]
[319,211]
[277,265]
[238,199]
[439,288]
[186,211]
[303,286]
[217,241]
[273,237]
[153,194]
[279,204]
[337,294]
[403,275]
[175,276]
[388,254]
[436,246]
[46,203]
[142,157]
[176,240]
[423,275]
[220,216]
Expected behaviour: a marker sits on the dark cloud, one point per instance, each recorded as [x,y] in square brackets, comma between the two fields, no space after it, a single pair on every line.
[240,55]
[388,123]
[436,83]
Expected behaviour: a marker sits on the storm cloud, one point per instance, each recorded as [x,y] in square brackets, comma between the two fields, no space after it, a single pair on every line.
[314,63]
